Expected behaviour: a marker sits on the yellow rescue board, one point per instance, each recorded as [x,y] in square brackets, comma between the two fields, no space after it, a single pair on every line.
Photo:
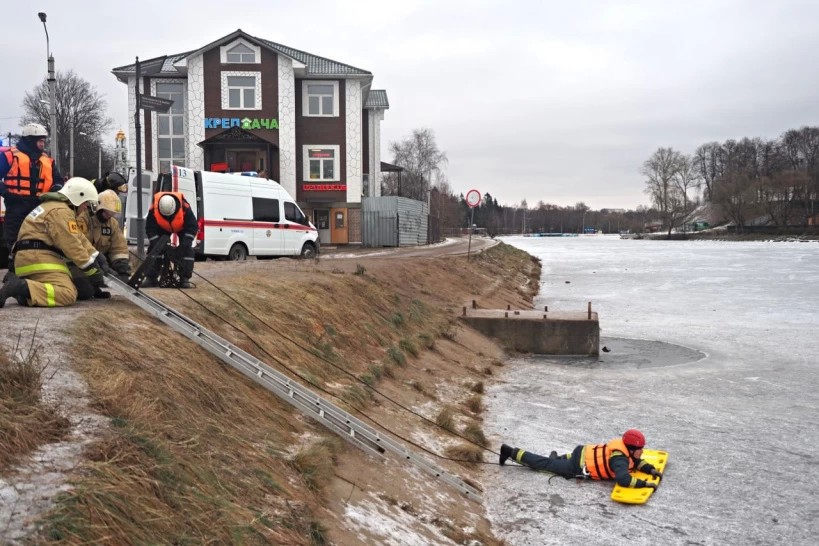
[629,495]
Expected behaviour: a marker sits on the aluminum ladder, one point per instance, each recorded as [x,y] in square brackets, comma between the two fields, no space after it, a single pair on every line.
[331,416]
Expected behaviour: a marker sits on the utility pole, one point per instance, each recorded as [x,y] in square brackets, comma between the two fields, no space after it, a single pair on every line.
[52,92]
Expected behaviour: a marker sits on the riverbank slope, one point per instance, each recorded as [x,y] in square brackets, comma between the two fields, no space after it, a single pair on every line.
[185,450]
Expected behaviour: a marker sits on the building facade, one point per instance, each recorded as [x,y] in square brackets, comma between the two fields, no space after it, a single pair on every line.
[243,103]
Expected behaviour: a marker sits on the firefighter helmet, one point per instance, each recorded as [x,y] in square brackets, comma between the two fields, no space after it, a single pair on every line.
[35,130]
[633,438]
[79,190]
[109,200]
[167,205]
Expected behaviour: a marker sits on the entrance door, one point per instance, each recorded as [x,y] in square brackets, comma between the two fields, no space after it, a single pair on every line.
[245,160]
[321,217]
[338,229]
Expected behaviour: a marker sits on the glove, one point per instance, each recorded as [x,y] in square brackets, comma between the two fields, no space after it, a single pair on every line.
[101,294]
[102,264]
[97,278]
[652,485]
[122,267]
[657,474]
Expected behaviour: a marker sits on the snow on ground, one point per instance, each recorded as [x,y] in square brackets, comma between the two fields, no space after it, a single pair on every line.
[28,490]
[736,410]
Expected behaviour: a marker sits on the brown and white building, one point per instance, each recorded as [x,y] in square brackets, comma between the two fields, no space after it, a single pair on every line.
[243,103]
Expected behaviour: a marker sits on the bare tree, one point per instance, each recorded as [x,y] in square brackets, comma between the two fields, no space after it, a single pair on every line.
[707,160]
[735,192]
[78,102]
[420,157]
[661,170]
[685,179]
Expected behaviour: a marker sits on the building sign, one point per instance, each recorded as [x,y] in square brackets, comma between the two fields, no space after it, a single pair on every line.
[320,153]
[246,123]
[324,187]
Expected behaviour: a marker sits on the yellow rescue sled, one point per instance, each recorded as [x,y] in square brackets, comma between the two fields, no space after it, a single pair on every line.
[629,495]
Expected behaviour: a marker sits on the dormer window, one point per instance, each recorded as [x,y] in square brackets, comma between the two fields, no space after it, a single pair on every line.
[240,53]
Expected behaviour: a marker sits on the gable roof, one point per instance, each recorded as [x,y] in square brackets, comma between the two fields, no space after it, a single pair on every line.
[314,65]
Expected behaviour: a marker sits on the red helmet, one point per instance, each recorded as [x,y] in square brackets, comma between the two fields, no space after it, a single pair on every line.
[633,438]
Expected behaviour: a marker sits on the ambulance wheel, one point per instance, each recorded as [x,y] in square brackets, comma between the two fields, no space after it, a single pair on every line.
[238,252]
[308,251]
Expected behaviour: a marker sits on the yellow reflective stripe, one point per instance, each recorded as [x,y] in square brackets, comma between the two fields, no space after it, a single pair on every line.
[50,301]
[22,271]
[519,456]
[91,271]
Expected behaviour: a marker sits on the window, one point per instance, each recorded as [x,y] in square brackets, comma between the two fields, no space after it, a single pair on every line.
[321,163]
[171,127]
[294,214]
[266,210]
[241,92]
[240,53]
[320,98]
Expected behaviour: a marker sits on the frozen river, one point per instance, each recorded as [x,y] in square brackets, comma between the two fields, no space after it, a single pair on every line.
[714,355]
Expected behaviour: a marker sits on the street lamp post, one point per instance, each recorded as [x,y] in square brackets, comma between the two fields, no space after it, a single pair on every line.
[71,148]
[52,92]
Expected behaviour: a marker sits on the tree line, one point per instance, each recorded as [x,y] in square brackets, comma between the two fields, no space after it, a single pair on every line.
[752,180]
[749,181]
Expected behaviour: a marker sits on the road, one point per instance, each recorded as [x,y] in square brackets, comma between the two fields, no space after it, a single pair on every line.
[452,246]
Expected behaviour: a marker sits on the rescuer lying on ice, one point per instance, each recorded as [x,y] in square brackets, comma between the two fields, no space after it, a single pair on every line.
[611,461]
[48,238]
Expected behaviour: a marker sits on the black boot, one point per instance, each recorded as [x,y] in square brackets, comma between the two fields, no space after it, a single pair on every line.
[14,287]
[505,453]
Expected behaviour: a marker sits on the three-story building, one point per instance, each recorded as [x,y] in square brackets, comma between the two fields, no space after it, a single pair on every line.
[244,103]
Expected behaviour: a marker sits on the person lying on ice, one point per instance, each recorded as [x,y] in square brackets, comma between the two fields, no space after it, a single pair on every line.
[611,461]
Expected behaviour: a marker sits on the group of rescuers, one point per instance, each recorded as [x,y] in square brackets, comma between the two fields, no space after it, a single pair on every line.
[63,237]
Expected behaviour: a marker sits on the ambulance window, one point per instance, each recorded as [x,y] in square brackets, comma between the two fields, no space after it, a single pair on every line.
[293,213]
[265,210]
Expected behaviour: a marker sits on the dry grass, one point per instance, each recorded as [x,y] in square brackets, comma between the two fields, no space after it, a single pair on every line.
[200,454]
[446,418]
[474,404]
[465,453]
[315,463]
[475,433]
[25,421]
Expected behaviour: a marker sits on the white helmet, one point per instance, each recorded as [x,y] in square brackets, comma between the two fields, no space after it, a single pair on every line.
[35,130]
[79,190]
[109,200]
[167,205]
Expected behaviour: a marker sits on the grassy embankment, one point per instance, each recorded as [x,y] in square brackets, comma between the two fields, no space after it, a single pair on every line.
[196,453]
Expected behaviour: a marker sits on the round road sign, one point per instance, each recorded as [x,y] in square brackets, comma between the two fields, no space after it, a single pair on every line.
[473,198]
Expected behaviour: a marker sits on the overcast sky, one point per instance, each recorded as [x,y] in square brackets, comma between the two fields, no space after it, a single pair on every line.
[530,100]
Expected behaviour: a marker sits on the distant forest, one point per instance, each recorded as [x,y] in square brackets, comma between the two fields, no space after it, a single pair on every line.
[747,183]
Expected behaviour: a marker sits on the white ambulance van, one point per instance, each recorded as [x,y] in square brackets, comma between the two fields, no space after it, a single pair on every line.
[241,216]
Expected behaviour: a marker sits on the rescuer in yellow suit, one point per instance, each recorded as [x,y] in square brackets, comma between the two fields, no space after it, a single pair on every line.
[48,238]
[102,229]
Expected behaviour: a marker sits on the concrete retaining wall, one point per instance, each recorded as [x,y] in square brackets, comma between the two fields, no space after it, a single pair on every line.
[537,332]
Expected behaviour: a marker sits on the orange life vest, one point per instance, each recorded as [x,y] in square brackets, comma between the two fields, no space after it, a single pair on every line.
[177,221]
[597,459]
[18,179]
